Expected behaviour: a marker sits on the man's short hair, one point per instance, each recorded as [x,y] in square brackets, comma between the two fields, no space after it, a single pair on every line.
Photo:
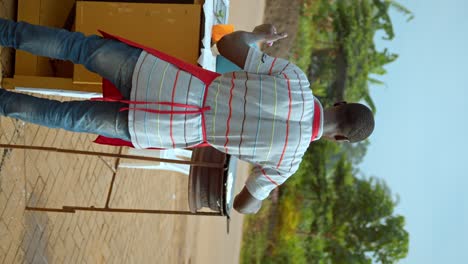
[356,121]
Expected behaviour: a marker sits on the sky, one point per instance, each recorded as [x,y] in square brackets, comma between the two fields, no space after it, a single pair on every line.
[419,146]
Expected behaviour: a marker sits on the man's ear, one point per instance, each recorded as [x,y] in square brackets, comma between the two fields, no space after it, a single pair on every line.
[340,103]
[341,138]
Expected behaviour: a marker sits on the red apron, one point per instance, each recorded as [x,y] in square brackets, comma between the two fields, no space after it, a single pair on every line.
[111,93]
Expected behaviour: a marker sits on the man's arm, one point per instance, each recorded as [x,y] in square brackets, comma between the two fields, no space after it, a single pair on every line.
[261,181]
[235,46]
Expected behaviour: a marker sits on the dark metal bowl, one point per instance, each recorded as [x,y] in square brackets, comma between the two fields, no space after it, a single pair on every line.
[207,185]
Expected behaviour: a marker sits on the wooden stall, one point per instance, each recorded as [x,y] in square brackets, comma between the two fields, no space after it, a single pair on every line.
[172,28]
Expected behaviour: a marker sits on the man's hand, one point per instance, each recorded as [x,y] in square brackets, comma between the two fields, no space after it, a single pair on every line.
[245,203]
[268,33]
[235,46]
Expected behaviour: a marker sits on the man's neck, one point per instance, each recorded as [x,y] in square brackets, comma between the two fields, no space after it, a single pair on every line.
[329,123]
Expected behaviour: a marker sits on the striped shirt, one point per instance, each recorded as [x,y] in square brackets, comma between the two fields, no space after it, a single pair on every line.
[263,115]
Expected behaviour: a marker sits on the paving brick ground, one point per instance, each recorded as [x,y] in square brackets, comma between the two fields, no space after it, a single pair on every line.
[38,178]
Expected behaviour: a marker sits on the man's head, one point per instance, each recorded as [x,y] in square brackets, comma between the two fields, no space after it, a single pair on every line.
[348,122]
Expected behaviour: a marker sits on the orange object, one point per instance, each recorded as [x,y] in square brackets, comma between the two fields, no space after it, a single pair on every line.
[220,30]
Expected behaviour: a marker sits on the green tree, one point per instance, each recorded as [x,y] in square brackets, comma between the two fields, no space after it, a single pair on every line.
[337,218]
[346,59]
[364,226]
[355,151]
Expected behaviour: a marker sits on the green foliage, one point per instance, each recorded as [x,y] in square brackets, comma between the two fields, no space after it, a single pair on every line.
[255,238]
[356,23]
[305,36]
[288,246]
[355,151]
[364,211]
[344,60]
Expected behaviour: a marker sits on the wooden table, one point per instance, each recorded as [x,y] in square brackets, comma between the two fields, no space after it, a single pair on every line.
[171,28]
[211,183]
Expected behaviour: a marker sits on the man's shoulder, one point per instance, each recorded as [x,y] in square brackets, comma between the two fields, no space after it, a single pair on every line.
[296,69]
[293,72]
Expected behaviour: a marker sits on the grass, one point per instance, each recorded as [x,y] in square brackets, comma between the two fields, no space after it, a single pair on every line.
[255,238]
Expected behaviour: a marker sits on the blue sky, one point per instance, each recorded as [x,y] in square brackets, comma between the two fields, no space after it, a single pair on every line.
[419,146]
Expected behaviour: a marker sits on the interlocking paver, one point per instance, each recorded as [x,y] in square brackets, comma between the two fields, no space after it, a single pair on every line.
[55,179]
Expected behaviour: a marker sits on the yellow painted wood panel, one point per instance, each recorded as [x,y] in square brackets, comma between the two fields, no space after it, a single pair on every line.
[49,83]
[28,10]
[51,13]
[171,28]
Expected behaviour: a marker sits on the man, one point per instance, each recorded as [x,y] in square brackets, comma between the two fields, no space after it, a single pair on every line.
[265,114]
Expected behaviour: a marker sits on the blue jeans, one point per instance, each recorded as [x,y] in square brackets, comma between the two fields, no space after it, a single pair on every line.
[111,59]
